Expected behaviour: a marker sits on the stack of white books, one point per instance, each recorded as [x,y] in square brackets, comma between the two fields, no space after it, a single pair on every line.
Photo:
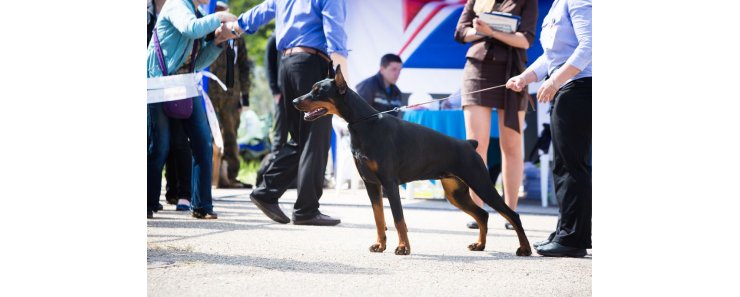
[500,21]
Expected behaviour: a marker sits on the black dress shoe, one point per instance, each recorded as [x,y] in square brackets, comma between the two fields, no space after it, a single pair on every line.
[319,220]
[554,249]
[210,215]
[272,211]
[149,214]
[540,243]
[159,206]
[473,225]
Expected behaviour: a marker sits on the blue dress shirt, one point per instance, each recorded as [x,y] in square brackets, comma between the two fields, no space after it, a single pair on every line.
[317,24]
[565,38]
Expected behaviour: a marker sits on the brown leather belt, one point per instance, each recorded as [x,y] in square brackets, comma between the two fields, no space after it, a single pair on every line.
[301,49]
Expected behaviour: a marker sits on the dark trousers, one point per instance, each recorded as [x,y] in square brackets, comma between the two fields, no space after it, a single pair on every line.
[307,160]
[179,164]
[280,129]
[158,133]
[571,139]
[229,117]
[279,137]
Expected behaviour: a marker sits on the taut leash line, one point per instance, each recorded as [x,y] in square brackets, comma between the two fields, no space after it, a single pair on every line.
[396,109]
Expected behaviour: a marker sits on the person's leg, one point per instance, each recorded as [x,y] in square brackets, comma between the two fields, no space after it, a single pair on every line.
[275,177]
[312,166]
[229,126]
[279,136]
[314,137]
[512,159]
[478,127]
[280,130]
[170,175]
[493,161]
[571,134]
[183,163]
[197,128]
[158,132]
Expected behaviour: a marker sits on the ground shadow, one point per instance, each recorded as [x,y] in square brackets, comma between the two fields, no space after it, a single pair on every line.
[486,256]
[286,265]
[222,225]
[425,231]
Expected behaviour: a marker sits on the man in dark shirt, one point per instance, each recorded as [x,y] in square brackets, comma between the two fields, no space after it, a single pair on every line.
[232,66]
[380,90]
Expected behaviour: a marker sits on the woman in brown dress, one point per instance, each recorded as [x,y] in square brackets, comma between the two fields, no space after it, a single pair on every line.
[494,57]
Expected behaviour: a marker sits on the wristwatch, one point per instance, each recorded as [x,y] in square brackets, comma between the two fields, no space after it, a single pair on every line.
[235,33]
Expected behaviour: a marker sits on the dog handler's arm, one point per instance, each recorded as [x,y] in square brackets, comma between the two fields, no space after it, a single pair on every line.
[251,20]
[580,14]
[550,87]
[464,31]
[535,72]
[333,15]
[516,39]
[338,59]
[472,35]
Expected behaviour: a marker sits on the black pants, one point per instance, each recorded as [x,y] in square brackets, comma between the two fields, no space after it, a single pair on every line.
[279,135]
[571,139]
[280,129]
[179,164]
[307,160]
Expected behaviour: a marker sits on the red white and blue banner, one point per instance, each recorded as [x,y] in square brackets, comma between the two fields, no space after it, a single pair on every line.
[421,32]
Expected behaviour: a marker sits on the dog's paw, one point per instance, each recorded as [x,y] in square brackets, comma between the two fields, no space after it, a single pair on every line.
[403,250]
[477,246]
[377,248]
[524,252]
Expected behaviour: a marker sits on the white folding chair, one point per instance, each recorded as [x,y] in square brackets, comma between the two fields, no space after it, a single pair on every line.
[345,163]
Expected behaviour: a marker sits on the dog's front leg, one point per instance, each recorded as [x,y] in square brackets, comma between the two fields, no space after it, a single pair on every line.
[404,247]
[376,200]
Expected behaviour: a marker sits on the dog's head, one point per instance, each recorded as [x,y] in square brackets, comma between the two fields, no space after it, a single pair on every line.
[323,98]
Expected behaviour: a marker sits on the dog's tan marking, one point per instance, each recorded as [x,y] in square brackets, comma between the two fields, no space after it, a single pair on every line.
[459,195]
[450,185]
[372,164]
[404,247]
[331,108]
[379,246]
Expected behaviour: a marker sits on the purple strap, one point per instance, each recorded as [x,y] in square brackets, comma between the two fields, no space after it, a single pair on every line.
[160,55]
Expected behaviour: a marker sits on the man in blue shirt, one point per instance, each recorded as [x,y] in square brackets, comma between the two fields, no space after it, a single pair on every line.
[566,68]
[308,33]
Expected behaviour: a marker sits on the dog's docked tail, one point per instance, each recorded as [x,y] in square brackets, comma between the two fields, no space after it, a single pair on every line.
[473,142]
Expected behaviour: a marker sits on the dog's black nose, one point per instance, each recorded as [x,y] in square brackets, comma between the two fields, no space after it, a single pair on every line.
[296,101]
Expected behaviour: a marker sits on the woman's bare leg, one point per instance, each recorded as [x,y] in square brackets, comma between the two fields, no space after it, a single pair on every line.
[478,127]
[512,159]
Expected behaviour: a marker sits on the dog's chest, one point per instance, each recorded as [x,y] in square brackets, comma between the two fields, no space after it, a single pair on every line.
[358,155]
[367,167]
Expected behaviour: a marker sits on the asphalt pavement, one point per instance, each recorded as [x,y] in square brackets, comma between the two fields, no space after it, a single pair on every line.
[244,253]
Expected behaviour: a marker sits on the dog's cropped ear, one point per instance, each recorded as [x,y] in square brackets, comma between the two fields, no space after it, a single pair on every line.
[339,80]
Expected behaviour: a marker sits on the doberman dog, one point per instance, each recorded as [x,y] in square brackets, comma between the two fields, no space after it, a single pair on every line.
[389,151]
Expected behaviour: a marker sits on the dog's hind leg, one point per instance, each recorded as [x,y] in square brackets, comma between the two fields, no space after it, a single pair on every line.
[477,178]
[458,194]
[376,200]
